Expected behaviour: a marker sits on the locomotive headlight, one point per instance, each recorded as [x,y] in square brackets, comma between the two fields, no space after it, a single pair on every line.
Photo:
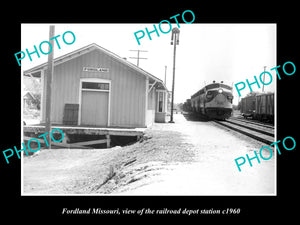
[220,91]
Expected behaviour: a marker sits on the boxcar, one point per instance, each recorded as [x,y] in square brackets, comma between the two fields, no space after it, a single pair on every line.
[264,109]
[248,106]
[259,107]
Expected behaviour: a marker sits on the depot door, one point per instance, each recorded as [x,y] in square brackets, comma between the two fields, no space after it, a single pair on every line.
[95,104]
[94,108]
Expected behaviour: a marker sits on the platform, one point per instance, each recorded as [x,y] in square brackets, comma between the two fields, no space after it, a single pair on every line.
[32,131]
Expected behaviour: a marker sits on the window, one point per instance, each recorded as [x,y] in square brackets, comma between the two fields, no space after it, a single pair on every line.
[95,86]
[160,101]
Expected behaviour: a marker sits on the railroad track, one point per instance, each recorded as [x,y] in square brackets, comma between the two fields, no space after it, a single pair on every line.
[253,122]
[258,131]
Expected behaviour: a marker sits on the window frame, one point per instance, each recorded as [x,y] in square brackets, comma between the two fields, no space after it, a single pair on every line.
[92,89]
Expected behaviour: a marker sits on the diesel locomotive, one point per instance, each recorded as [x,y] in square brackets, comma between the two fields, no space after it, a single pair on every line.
[213,100]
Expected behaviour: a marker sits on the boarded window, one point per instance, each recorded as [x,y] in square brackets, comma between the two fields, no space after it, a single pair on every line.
[95,85]
[71,114]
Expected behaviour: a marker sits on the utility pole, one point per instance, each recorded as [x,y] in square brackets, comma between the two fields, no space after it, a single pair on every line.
[264,79]
[138,55]
[175,37]
[49,74]
[166,75]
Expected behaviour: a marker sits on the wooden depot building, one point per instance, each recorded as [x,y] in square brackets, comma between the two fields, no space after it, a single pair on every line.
[96,88]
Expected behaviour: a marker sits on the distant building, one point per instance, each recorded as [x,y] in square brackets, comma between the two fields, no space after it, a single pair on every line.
[28,100]
[95,87]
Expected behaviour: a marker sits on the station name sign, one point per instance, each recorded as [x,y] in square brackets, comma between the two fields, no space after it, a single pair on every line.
[95,69]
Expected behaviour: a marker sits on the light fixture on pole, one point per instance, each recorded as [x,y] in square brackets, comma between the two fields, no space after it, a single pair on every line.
[175,38]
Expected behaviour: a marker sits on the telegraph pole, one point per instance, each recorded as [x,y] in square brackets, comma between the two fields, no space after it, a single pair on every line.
[175,37]
[49,73]
[138,55]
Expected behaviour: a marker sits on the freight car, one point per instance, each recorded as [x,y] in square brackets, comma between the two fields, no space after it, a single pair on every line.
[213,100]
[259,107]
[248,106]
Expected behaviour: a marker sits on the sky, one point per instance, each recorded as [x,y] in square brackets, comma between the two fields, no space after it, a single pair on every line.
[206,52]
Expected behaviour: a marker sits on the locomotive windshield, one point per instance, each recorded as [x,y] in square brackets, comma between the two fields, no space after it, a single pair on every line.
[225,86]
[211,86]
[217,85]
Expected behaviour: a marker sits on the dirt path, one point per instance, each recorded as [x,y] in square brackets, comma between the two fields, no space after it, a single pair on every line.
[185,158]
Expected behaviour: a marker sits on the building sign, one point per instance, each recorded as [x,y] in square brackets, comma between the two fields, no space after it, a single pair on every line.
[95,69]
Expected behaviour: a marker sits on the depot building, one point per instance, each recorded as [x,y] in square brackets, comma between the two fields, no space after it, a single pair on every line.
[95,87]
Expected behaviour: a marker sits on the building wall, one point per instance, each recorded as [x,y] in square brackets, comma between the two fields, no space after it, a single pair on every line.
[127,98]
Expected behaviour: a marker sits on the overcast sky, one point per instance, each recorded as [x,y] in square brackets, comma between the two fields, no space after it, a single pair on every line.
[206,52]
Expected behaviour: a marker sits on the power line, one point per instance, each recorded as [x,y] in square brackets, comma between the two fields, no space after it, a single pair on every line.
[138,55]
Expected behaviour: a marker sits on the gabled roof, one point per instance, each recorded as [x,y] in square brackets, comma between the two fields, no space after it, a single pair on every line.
[28,95]
[33,71]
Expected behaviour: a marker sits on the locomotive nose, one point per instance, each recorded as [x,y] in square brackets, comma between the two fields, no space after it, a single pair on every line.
[220,98]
